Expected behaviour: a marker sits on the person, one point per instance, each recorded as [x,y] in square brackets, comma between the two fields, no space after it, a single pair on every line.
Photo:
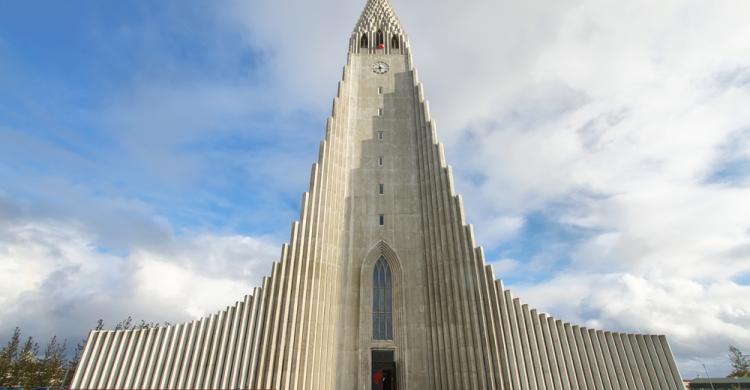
[377,379]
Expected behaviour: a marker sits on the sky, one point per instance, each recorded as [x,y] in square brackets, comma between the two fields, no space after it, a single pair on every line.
[602,148]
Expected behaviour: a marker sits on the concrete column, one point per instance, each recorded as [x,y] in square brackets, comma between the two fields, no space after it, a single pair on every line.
[600,360]
[575,357]
[101,359]
[587,375]
[567,355]
[559,354]
[662,374]
[158,365]
[534,348]
[596,372]
[544,356]
[607,355]
[107,362]
[519,353]
[198,349]
[650,372]
[184,347]
[550,352]
[145,354]
[632,362]
[628,380]
[122,360]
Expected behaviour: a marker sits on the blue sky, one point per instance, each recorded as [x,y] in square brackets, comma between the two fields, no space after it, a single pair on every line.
[602,149]
[100,92]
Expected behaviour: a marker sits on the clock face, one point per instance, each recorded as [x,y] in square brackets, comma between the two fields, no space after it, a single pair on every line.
[380,67]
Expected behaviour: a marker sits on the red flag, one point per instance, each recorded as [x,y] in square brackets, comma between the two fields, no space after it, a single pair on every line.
[381,46]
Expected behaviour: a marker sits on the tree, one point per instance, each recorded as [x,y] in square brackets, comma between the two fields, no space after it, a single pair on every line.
[124,324]
[25,370]
[740,363]
[8,355]
[22,365]
[53,364]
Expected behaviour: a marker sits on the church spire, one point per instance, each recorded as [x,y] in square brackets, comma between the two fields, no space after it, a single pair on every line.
[378,30]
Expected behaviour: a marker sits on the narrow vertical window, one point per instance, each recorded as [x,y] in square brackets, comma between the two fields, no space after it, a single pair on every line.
[394,42]
[380,135]
[380,112]
[379,40]
[363,41]
[381,219]
[380,161]
[381,188]
[380,90]
[382,301]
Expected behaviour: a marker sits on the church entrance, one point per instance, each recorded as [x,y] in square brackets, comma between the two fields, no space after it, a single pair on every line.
[383,370]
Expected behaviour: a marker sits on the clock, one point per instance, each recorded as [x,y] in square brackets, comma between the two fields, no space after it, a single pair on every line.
[380,67]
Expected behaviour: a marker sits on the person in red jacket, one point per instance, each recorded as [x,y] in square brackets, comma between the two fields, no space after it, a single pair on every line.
[377,378]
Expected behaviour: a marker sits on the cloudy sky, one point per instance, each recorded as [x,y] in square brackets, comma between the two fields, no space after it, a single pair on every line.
[602,147]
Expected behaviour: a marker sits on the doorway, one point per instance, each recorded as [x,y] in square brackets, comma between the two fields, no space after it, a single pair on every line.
[383,370]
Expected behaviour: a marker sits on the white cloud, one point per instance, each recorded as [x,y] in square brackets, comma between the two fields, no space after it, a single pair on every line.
[500,228]
[202,273]
[57,281]
[34,254]
[504,266]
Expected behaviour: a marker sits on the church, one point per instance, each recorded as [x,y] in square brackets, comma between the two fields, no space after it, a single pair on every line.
[382,285]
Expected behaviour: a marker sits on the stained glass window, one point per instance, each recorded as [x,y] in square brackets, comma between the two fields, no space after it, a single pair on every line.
[382,312]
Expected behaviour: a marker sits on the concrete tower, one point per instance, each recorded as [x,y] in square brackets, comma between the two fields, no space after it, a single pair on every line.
[382,283]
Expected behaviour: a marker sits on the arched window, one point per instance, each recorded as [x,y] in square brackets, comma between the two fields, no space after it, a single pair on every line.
[363,42]
[382,302]
[379,40]
[394,42]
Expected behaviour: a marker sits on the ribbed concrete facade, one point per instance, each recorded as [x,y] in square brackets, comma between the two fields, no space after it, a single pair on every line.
[380,189]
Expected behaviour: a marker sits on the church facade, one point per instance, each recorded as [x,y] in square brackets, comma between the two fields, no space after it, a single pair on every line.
[382,285]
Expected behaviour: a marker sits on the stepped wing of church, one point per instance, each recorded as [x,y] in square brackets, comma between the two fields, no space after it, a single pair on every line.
[382,285]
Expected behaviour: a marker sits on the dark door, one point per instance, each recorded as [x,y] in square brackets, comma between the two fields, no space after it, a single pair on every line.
[383,370]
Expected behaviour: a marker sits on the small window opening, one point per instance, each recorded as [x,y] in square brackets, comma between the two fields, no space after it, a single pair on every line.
[380,111]
[394,42]
[381,188]
[379,40]
[380,90]
[363,43]
[381,219]
[380,135]
[380,161]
